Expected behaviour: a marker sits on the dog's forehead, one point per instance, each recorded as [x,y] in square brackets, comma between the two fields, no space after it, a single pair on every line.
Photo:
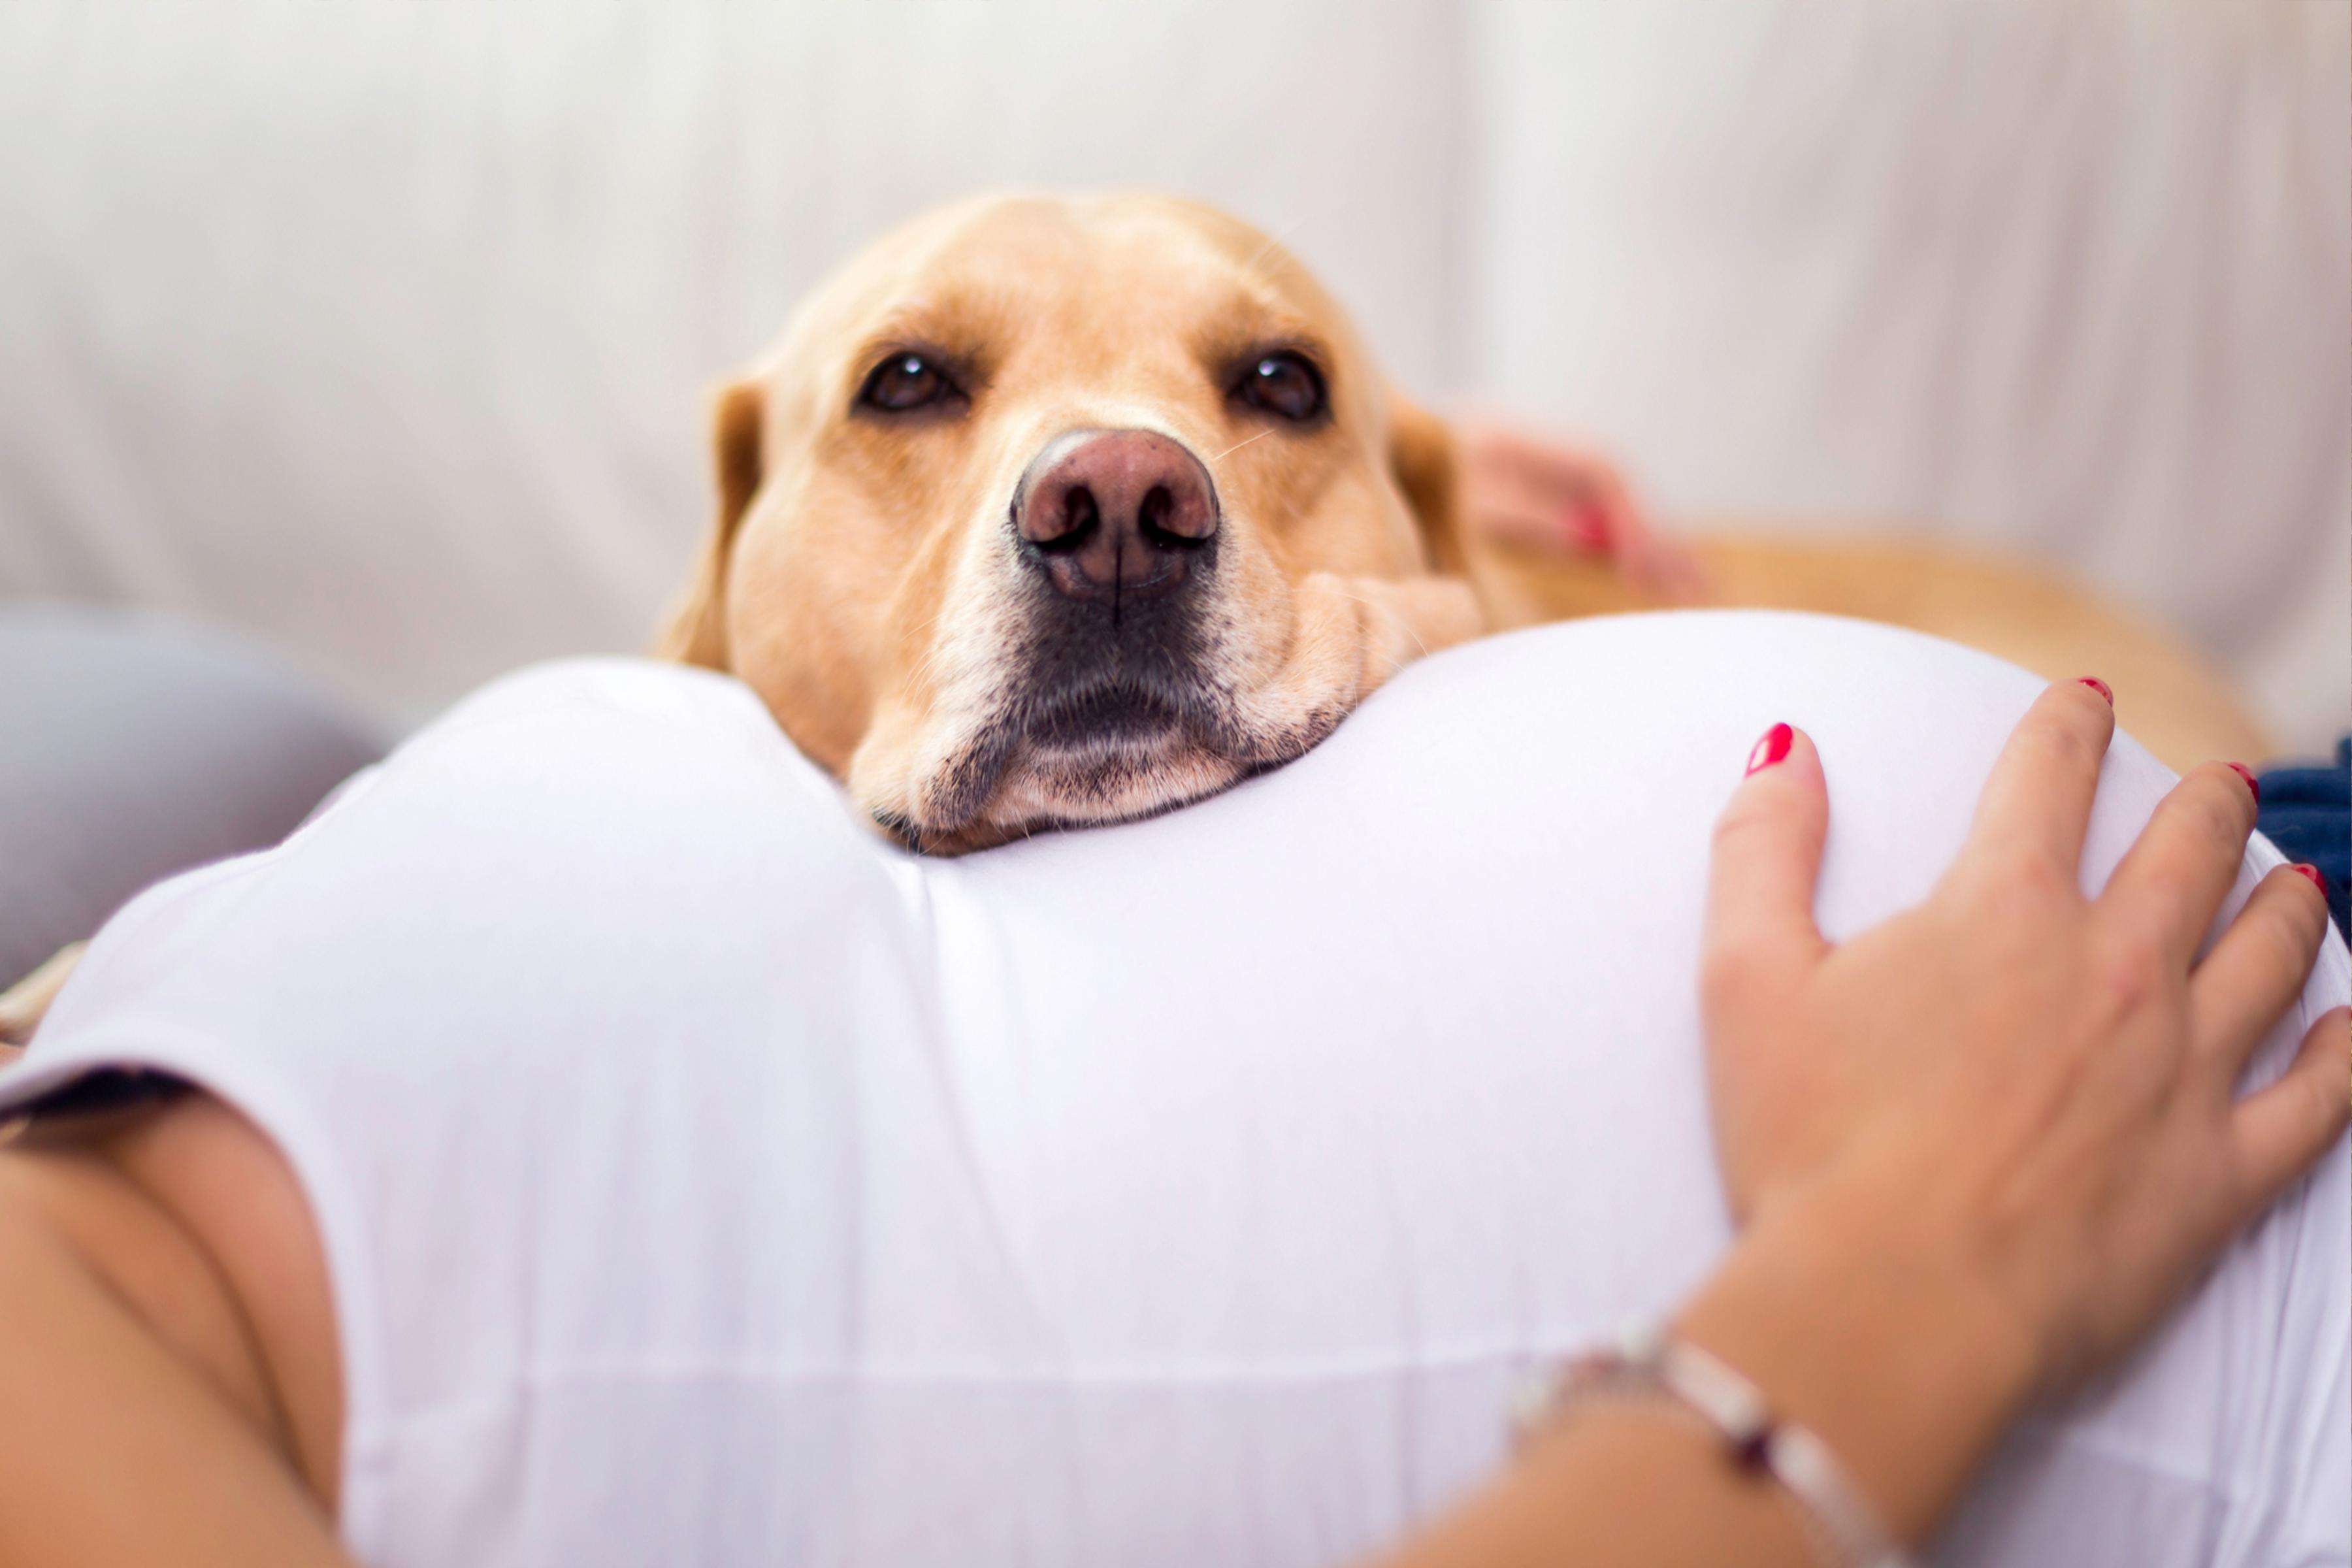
[1143,261]
[1109,245]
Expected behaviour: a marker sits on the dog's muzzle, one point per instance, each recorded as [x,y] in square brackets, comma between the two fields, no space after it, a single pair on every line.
[1118,531]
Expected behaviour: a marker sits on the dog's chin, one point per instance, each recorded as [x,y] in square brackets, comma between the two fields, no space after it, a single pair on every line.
[1107,781]
[1046,788]
[1084,765]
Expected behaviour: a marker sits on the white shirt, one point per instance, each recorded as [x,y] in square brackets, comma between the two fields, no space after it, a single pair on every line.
[703,1180]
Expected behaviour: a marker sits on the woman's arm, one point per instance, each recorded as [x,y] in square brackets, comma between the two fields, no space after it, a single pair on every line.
[1977,1152]
[154,1403]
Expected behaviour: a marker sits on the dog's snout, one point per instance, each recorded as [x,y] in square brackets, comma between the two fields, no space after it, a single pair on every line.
[1115,513]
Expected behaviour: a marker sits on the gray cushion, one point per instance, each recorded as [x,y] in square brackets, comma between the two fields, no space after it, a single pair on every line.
[131,748]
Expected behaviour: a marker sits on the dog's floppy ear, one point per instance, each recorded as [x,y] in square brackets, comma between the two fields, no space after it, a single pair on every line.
[1421,452]
[698,628]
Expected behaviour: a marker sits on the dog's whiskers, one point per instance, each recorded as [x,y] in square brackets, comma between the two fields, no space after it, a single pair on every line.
[1273,240]
[1239,445]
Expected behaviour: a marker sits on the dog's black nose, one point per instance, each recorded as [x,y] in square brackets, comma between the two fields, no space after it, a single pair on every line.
[1116,514]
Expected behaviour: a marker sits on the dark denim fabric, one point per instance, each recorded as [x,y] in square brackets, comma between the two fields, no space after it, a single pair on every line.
[2306,811]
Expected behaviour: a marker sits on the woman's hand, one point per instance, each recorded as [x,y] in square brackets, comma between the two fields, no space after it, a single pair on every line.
[1561,500]
[1974,1151]
[1979,1150]
[2048,1081]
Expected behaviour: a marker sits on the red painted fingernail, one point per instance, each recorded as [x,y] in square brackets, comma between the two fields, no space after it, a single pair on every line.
[2101,687]
[1587,526]
[2253,784]
[1771,748]
[2317,880]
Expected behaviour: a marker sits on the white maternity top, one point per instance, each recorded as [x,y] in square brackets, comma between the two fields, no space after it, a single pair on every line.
[703,1181]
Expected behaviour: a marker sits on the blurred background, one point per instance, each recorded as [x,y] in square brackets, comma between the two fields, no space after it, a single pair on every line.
[383,332]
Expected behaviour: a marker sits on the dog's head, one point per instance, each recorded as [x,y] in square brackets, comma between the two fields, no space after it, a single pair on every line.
[1046,512]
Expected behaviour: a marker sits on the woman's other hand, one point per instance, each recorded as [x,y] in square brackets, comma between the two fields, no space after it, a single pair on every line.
[1557,499]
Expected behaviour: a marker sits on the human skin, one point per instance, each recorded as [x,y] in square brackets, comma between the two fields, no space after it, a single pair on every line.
[1978,1151]
[1937,1135]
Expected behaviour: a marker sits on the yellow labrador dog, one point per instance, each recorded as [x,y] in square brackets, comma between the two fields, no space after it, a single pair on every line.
[1049,512]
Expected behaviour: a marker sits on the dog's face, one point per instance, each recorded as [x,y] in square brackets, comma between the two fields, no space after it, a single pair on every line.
[1048,512]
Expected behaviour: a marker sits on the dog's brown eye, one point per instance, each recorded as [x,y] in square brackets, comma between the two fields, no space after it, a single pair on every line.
[1284,384]
[905,381]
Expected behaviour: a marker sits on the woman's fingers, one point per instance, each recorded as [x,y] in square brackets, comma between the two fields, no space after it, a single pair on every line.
[1553,529]
[2172,880]
[2257,968]
[2281,1130]
[1550,495]
[2037,804]
[1599,504]
[1654,563]
[1760,876]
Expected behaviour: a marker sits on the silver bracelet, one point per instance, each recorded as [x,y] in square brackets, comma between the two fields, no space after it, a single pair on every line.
[1840,1525]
